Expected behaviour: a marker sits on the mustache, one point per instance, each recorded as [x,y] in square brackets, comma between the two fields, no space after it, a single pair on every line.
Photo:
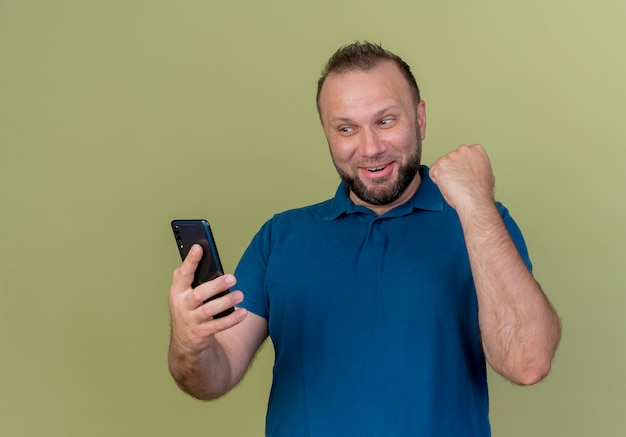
[377,161]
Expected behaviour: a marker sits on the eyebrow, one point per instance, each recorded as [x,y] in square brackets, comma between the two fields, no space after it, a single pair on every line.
[378,114]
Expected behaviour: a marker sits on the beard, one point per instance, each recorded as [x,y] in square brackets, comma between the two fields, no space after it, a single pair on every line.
[384,193]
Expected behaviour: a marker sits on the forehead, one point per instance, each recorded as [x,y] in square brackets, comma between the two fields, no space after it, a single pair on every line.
[358,91]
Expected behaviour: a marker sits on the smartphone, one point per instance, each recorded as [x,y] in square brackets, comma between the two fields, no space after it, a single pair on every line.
[190,232]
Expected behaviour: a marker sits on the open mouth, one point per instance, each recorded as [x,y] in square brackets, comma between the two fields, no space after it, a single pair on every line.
[376,169]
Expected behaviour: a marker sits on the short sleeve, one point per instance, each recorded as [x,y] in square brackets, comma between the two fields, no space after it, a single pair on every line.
[251,272]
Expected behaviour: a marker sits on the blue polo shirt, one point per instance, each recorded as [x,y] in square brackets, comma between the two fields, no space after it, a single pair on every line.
[374,319]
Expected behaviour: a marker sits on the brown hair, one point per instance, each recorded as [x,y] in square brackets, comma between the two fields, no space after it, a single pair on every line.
[365,56]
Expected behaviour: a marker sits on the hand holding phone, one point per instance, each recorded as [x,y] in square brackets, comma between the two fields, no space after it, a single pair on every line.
[190,232]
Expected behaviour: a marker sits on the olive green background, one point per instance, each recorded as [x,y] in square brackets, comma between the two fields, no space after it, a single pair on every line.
[117,116]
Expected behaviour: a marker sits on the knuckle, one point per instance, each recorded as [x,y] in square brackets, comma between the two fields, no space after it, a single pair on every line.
[233,299]
[197,295]
[222,324]
[179,274]
[208,310]
[179,280]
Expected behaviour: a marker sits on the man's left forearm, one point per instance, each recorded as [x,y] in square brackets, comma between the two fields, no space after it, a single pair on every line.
[519,327]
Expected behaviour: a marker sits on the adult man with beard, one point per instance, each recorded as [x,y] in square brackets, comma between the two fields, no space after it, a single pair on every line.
[383,302]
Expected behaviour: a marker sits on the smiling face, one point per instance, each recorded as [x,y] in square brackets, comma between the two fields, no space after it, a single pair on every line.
[374,130]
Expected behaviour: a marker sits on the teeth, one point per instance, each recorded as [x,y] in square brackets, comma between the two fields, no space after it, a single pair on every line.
[374,169]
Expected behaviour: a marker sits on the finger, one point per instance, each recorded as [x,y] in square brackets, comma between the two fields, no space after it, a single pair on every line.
[210,288]
[183,275]
[434,171]
[220,304]
[230,320]
[208,328]
[196,334]
[433,174]
[192,259]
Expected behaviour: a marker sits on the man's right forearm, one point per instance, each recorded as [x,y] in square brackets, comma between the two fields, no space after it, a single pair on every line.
[205,375]
[207,355]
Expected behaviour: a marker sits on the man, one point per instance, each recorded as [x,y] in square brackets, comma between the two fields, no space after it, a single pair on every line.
[383,302]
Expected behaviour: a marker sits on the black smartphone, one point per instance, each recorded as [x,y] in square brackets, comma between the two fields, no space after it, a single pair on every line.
[190,232]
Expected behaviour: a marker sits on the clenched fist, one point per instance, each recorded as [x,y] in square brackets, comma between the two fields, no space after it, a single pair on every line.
[464,177]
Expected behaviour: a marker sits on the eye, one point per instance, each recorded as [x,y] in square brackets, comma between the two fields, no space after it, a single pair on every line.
[345,129]
[386,121]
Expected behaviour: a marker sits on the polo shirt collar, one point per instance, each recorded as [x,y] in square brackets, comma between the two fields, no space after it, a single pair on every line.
[428,197]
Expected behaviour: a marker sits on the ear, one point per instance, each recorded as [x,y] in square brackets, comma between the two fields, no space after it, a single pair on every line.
[421,118]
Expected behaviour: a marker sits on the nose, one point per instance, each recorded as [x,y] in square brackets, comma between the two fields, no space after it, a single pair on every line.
[371,143]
